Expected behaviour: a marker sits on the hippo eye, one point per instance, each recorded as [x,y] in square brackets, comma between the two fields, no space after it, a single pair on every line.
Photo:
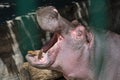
[79,33]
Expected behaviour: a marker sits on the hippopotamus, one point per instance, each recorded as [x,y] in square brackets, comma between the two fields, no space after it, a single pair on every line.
[79,52]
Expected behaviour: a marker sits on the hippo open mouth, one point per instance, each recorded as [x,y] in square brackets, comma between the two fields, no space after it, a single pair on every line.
[46,49]
[46,56]
[50,43]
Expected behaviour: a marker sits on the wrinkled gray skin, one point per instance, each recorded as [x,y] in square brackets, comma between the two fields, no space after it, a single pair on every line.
[79,53]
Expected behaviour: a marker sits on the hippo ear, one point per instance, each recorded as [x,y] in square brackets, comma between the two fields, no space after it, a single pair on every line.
[90,39]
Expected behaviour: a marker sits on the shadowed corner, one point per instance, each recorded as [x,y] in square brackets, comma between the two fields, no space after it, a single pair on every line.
[6,51]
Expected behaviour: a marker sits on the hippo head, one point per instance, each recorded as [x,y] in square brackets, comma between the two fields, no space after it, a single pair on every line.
[68,49]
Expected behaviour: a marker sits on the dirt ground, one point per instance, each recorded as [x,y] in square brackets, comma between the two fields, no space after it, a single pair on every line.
[28,72]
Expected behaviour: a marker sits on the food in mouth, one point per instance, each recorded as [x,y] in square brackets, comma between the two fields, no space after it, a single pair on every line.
[38,53]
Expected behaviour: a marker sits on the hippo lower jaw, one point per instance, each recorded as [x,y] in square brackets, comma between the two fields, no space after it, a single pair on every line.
[35,61]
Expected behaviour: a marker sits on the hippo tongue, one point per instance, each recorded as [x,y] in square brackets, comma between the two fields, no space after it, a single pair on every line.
[48,45]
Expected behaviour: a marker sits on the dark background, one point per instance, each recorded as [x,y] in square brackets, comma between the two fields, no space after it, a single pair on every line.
[9,9]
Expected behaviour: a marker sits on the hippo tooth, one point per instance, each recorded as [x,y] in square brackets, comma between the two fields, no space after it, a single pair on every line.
[40,54]
[44,58]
